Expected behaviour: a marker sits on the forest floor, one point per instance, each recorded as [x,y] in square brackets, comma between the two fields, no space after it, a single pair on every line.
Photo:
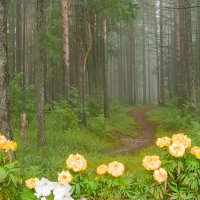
[146,128]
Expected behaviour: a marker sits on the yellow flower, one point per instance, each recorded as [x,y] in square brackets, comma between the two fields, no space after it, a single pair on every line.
[195,151]
[7,145]
[102,169]
[177,149]
[181,138]
[2,142]
[10,146]
[2,138]
[163,142]
[76,163]
[116,168]
[151,162]
[160,175]
[31,183]
[64,178]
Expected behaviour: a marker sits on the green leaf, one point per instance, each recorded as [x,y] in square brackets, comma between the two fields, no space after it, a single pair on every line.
[13,180]
[78,190]
[3,174]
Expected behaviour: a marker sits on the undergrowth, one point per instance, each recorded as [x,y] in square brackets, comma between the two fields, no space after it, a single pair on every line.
[64,135]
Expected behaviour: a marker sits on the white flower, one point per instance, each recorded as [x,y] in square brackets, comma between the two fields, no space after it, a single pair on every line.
[61,192]
[58,187]
[43,198]
[63,196]
[43,188]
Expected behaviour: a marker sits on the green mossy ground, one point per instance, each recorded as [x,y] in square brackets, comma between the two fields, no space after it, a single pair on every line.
[94,142]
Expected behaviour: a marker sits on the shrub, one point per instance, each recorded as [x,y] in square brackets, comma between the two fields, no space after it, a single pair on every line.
[9,169]
[62,116]
[98,125]
[182,167]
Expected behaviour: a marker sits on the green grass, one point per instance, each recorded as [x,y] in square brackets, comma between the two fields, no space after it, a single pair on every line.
[123,122]
[171,120]
[94,142]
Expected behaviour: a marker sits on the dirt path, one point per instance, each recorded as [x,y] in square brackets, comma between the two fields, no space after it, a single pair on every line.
[146,128]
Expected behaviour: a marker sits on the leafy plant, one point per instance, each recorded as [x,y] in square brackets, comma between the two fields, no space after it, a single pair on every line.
[63,116]
[183,169]
[9,176]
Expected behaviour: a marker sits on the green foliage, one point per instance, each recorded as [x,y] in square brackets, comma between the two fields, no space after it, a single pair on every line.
[91,186]
[52,36]
[129,186]
[27,194]
[94,105]
[64,117]
[184,175]
[18,96]
[9,176]
[98,125]
[115,10]
[171,118]
[74,103]
[122,122]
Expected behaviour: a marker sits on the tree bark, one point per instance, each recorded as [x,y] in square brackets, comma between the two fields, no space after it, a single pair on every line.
[40,74]
[162,83]
[65,4]
[188,26]
[178,56]
[144,59]
[5,115]
[105,69]
[19,36]
[23,125]
[130,65]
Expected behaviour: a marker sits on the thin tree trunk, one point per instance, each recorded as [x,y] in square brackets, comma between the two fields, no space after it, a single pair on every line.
[23,125]
[19,36]
[105,69]
[144,59]
[157,60]
[40,74]
[130,65]
[65,4]
[134,71]
[162,86]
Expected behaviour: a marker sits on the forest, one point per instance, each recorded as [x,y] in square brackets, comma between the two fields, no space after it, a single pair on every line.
[99,99]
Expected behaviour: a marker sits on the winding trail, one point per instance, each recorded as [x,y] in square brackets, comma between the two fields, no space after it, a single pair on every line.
[146,128]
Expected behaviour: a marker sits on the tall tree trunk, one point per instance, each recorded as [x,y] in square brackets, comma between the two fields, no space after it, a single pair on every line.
[130,65]
[134,71]
[40,73]
[65,4]
[80,57]
[19,36]
[157,60]
[198,49]
[162,83]
[178,58]
[105,69]
[144,59]
[24,44]
[188,26]
[149,68]
[5,117]
[120,63]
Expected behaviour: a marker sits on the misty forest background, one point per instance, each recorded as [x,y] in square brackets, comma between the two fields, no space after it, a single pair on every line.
[71,70]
